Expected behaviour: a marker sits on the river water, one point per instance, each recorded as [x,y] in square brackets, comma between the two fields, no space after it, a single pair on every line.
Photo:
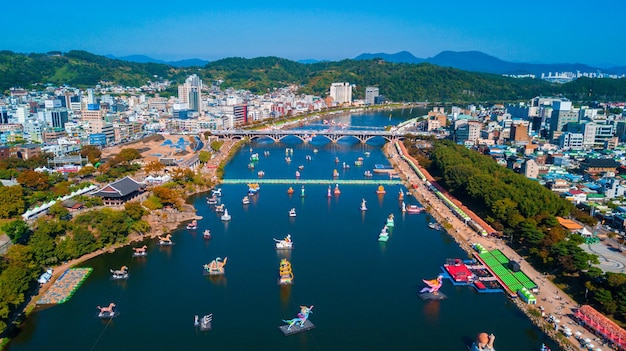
[364,292]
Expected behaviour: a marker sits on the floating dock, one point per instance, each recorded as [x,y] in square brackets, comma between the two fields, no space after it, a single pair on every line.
[64,287]
[296,328]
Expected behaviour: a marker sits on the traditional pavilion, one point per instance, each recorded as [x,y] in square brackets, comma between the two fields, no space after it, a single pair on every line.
[120,191]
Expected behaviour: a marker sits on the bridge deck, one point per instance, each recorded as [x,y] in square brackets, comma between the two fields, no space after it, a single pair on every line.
[315,181]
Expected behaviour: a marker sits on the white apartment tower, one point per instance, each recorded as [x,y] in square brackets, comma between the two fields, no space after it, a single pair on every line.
[341,93]
[190,93]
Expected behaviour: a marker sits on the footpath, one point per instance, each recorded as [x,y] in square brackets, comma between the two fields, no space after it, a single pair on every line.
[551,299]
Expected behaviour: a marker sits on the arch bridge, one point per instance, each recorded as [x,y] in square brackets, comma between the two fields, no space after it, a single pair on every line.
[306,135]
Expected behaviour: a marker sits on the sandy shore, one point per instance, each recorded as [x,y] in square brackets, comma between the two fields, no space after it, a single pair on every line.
[550,297]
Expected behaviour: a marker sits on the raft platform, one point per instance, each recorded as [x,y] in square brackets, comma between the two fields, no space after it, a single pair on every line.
[432,297]
[296,328]
[64,287]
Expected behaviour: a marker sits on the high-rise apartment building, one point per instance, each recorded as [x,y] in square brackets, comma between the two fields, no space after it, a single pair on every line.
[190,93]
[371,93]
[562,114]
[341,93]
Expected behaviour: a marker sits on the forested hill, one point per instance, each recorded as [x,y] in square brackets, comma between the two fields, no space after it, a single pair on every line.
[396,81]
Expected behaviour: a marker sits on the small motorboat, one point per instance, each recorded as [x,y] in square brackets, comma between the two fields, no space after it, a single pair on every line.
[302,192]
[345,166]
[301,167]
[414,209]
[254,157]
[245,200]
[216,192]
[206,234]
[261,174]
[401,195]
[335,173]
[292,212]
[219,208]
[363,206]
[336,159]
[368,174]
[367,153]
[225,217]
[212,200]
[297,174]
[328,193]
[193,225]
[315,151]
[435,226]
[119,274]
[290,191]
[287,159]
[308,157]
[284,244]
[250,165]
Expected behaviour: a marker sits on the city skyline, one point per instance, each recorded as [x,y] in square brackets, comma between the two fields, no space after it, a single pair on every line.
[539,32]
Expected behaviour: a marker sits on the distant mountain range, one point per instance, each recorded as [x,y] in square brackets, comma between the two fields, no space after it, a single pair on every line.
[474,61]
[477,61]
[146,59]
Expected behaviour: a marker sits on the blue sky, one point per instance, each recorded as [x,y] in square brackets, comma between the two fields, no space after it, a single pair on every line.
[530,31]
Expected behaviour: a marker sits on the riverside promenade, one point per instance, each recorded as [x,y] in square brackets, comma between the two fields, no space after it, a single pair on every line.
[553,301]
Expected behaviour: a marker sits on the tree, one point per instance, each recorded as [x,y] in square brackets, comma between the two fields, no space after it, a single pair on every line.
[204,156]
[58,211]
[11,201]
[134,210]
[33,180]
[17,230]
[128,155]
[92,153]
[154,167]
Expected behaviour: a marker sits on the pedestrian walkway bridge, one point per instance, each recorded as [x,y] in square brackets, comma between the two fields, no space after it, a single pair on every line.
[315,181]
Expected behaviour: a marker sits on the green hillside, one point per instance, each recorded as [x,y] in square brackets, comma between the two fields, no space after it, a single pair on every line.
[397,81]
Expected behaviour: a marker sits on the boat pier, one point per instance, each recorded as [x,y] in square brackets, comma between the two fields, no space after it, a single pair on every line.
[64,287]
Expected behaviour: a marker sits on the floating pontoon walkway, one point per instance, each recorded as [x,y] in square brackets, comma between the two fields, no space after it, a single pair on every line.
[314,181]
[64,287]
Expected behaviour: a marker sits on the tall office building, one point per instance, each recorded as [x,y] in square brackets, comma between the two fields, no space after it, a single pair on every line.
[341,93]
[371,93]
[190,93]
[562,114]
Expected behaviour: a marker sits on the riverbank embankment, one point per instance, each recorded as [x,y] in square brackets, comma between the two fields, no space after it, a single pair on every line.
[553,301]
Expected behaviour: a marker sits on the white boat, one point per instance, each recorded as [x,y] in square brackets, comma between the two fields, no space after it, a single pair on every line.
[166,240]
[206,234]
[363,206]
[216,192]
[225,217]
[219,208]
[292,212]
[284,244]
[245,200]
[212,200]
[435,226]
[368,174]
[414,209]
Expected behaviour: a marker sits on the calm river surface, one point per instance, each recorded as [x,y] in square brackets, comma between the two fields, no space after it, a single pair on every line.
[364,292]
